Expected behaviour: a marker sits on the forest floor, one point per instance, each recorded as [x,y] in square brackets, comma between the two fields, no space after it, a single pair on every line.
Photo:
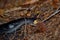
[49,31]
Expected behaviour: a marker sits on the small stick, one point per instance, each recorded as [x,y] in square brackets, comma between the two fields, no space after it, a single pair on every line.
[14,9]
[18,8]
[56,12]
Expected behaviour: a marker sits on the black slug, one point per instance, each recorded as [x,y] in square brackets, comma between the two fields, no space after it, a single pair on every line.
[15,24]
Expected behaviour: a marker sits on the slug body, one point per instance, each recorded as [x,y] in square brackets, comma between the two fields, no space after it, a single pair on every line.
[15,24]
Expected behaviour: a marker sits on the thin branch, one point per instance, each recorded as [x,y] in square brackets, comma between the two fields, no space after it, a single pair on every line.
[51,15]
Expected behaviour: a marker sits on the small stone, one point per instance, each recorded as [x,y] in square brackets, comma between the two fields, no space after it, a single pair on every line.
[36,21]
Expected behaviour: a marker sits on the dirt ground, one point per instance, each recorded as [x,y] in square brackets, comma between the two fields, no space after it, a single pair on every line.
[48,30]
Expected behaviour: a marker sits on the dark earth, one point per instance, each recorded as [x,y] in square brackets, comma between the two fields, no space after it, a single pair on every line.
[16,9]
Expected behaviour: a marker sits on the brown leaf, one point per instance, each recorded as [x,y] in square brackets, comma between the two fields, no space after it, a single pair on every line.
[40,27]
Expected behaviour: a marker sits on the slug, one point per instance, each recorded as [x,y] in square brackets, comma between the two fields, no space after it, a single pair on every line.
[14,25]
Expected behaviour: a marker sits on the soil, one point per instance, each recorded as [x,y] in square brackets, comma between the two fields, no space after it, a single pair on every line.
[48,30]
